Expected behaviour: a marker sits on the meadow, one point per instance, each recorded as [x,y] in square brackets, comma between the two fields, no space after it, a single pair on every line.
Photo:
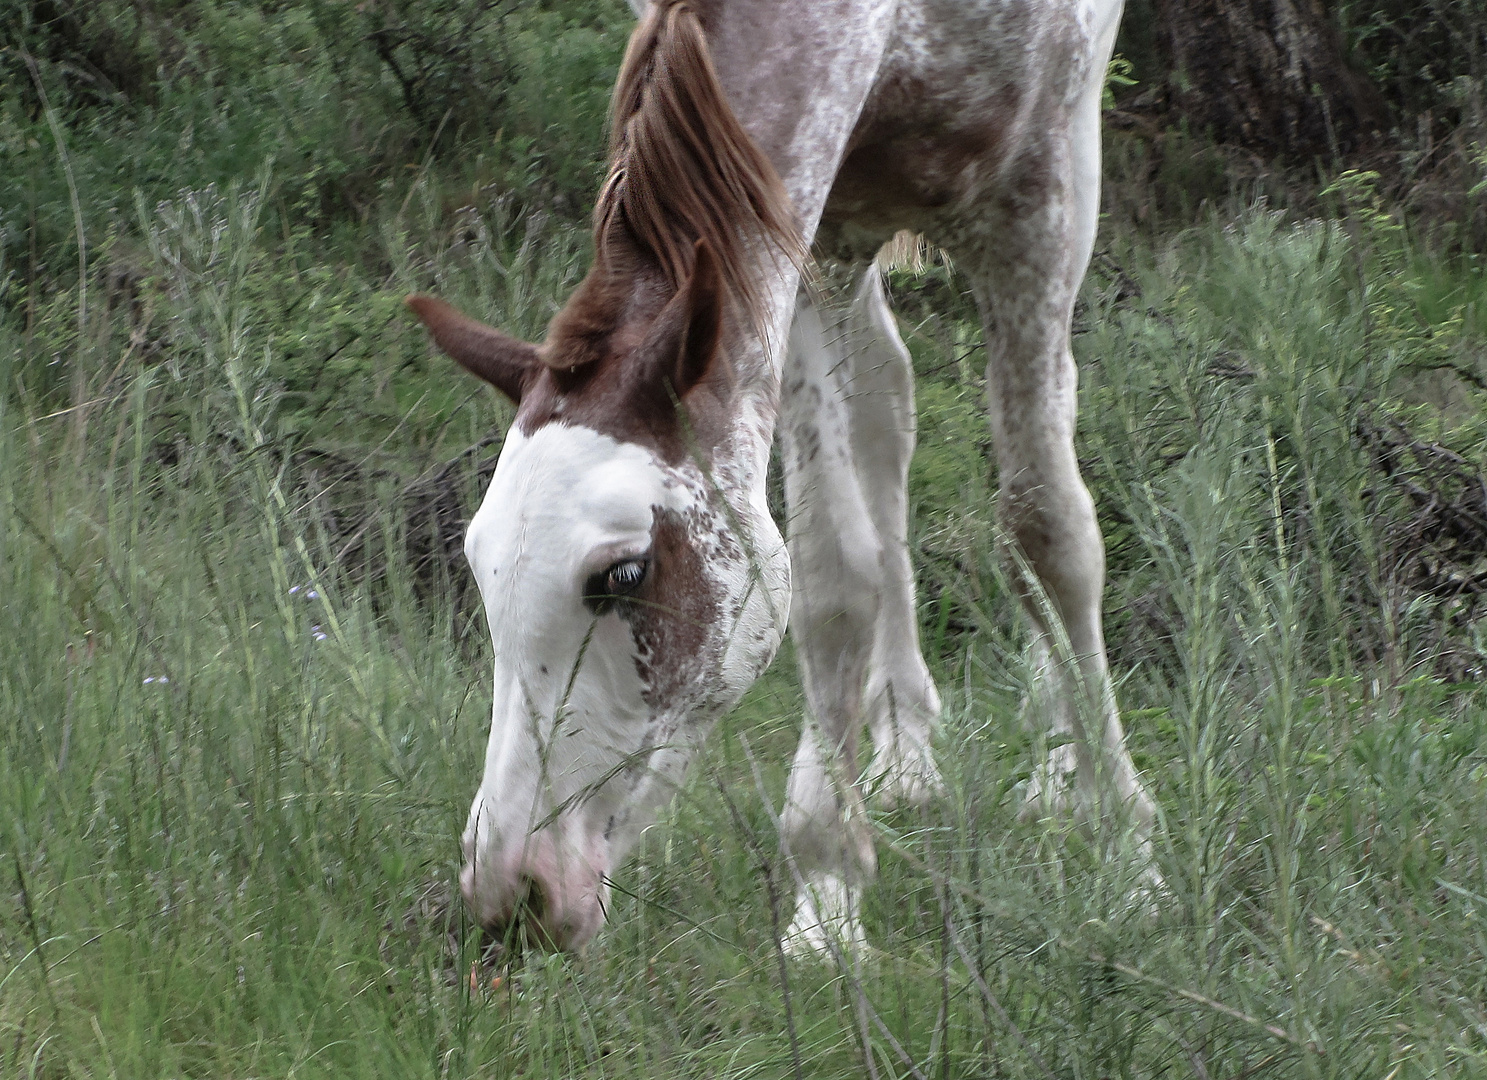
[243,678]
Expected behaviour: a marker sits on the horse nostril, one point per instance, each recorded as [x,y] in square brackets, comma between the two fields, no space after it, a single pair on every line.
[522,927]
[533,904]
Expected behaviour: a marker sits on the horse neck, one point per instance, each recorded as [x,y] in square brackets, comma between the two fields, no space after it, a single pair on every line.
[742,465]
[797,76]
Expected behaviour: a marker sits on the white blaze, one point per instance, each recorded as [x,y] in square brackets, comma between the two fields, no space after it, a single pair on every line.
[580,752]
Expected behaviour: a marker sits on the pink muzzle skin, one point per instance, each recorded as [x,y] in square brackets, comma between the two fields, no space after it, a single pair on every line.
[538,892]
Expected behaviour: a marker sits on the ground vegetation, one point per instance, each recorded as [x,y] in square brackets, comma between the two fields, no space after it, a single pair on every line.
[242,675]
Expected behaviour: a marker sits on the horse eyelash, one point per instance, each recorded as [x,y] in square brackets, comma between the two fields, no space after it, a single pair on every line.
[600,596]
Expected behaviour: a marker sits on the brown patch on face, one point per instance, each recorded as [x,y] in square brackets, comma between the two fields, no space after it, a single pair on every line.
[672,614]
[607,358]
[607,398]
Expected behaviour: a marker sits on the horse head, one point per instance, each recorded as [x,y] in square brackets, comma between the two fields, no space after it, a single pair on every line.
[633,580]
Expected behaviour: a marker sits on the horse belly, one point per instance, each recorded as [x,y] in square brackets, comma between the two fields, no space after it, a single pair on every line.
[965,91]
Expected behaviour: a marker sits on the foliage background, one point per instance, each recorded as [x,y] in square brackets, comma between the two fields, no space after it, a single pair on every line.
[242,689]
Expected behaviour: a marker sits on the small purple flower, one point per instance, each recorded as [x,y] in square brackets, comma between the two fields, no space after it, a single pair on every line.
[312,595]
[155,679]
[319,636]
[294,589]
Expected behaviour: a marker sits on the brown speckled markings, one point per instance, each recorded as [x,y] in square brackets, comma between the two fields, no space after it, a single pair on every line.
[981,132]
[745,130]
[675,617]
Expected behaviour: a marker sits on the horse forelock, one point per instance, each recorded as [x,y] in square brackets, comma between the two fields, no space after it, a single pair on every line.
[683,172]
[683,169]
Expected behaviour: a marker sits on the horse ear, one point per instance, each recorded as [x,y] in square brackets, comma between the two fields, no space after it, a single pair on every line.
[500,359]
[701,321]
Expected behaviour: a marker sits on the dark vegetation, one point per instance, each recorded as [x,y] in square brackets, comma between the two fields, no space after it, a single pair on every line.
[210,395]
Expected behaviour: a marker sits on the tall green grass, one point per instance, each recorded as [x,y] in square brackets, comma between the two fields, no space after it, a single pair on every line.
[233,770]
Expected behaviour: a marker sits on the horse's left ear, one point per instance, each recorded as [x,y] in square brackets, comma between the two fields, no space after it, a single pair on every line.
[507,363]
[682,346]
[704,332]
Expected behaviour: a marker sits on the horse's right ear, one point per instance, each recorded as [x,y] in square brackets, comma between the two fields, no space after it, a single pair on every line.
[505,362]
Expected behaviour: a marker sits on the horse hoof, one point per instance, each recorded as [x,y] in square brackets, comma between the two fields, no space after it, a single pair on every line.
[909,779]
[826,924]
[1150,895]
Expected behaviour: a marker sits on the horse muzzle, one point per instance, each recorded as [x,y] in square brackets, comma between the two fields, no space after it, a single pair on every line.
[538,893]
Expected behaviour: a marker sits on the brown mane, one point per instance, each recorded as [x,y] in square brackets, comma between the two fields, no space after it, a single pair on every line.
[682,169]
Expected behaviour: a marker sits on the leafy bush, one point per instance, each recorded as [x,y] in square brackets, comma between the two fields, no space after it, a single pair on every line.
[1429,56]
[348,101]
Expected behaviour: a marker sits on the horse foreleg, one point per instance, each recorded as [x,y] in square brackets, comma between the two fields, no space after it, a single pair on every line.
[902,704]
[837,580]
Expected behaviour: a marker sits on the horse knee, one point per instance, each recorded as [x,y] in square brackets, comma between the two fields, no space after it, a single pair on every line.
[1051,522]
[838,594]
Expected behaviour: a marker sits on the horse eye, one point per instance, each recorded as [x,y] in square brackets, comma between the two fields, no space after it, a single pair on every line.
[606,587]
[625,576]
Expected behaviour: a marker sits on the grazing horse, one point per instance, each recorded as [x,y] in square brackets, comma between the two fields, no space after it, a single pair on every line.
[633,579]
